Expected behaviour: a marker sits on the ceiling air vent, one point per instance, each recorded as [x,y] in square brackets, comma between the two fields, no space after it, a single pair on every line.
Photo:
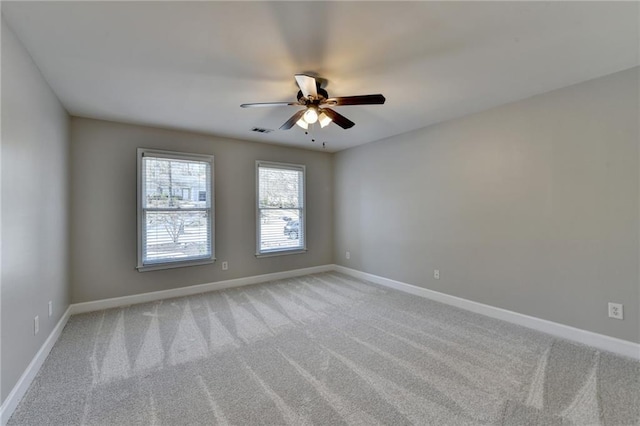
[261,130]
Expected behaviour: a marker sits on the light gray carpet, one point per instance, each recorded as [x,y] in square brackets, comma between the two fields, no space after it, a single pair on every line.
[321,349]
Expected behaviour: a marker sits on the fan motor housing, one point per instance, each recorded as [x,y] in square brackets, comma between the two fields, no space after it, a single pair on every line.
[322,94]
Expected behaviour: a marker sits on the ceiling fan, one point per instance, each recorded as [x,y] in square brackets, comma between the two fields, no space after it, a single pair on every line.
[316,101]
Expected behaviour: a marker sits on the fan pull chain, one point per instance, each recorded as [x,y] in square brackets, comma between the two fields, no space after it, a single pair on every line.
[310,132]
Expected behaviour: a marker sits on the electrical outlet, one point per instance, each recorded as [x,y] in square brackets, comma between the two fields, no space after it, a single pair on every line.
[616,311]
[50,308]
[347,255]
[225,265]
[36,325]
[436,274]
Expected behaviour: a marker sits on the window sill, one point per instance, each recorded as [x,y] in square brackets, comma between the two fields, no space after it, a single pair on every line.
[281,253]
[171,265]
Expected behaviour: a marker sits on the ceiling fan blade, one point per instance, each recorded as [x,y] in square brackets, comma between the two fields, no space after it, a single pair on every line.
[307,85]
[269,104]
[339,119]
[356,100]
[294,118]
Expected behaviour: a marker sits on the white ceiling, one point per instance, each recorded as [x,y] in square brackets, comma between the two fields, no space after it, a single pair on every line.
[189,65]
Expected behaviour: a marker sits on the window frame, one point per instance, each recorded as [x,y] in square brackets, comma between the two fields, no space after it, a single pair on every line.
[141,226]
[303,211]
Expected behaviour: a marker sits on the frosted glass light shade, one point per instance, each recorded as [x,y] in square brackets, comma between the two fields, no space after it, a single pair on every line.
[302,123]
[324,119]
[310,115]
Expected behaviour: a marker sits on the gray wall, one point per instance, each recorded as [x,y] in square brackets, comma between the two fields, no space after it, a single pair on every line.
[531,206]
[103,216]
[35,153]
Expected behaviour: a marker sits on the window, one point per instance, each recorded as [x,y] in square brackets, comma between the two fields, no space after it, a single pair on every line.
[280,208]
[175,214]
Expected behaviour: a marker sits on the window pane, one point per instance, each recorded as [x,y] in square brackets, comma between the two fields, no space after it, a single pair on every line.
[280,188]
[175,208]
[280,230]
[170,183]
[281,221]
[176,235]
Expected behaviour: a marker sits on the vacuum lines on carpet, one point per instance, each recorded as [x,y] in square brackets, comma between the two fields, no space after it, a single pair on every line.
[322,349]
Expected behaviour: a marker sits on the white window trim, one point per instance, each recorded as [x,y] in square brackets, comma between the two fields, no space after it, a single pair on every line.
[154,266]
[303,216]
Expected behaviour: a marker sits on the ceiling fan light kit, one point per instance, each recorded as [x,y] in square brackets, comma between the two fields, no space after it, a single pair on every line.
[316,101]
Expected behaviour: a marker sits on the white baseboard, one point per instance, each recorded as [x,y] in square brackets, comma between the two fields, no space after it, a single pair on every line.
[18,391]
[115,302]
[599,341]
